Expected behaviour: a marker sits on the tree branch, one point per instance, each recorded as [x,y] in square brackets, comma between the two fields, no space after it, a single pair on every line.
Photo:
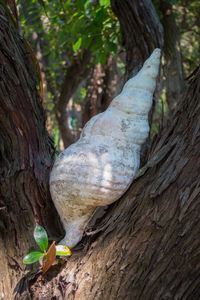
[78,71]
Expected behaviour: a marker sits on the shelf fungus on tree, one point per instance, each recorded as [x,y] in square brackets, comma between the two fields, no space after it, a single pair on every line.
[101,165]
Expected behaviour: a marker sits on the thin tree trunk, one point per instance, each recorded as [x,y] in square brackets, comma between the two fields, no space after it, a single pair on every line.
[102,86]
[113,82]
[26,153]
[173,65]
[94,89]
[75,75]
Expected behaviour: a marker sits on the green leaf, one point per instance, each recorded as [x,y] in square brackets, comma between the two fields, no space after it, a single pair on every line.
[112,47]
[63,250]
[100,16]
[102,58]
[77,44]
[33,257]
[105,3]
[87,2]
[80,4]
[40,237]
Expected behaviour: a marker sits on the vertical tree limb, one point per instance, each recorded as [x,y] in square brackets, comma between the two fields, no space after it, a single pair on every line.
[26,156]
[141,31]
[173,66]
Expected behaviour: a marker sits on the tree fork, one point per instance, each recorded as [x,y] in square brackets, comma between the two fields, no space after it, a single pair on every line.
[148,244]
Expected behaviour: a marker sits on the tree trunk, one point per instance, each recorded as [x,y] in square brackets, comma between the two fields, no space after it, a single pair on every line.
[147,246]
[102,86]
[173,62]
[141,31]
[75,75]
[26,153]
[112,81]
[94,92]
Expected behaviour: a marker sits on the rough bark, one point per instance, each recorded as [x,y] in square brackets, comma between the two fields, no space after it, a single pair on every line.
[147,246]
[26,153]
[141,31]
[173,62]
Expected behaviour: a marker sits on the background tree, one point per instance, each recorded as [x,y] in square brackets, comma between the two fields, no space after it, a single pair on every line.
[173,68]
[70,37]
[93,23]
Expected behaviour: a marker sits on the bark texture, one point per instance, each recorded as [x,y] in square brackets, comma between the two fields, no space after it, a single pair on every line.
[173,62]
[141,31]
[26,155]
[147,246]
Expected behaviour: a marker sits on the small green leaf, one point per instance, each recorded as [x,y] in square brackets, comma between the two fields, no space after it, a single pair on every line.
[77,44]
[63,250]
[105,3]
[40,237]
[87,2]
[33,257]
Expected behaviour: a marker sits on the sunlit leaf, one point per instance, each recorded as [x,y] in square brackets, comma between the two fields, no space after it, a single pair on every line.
[32,257]
[40,237]
[63,250]
[87,2]
[105,3]
[77,44]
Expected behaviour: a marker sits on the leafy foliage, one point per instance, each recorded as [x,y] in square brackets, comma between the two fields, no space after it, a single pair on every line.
[187,17]
[188,23]
[60,32]
[67,28]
